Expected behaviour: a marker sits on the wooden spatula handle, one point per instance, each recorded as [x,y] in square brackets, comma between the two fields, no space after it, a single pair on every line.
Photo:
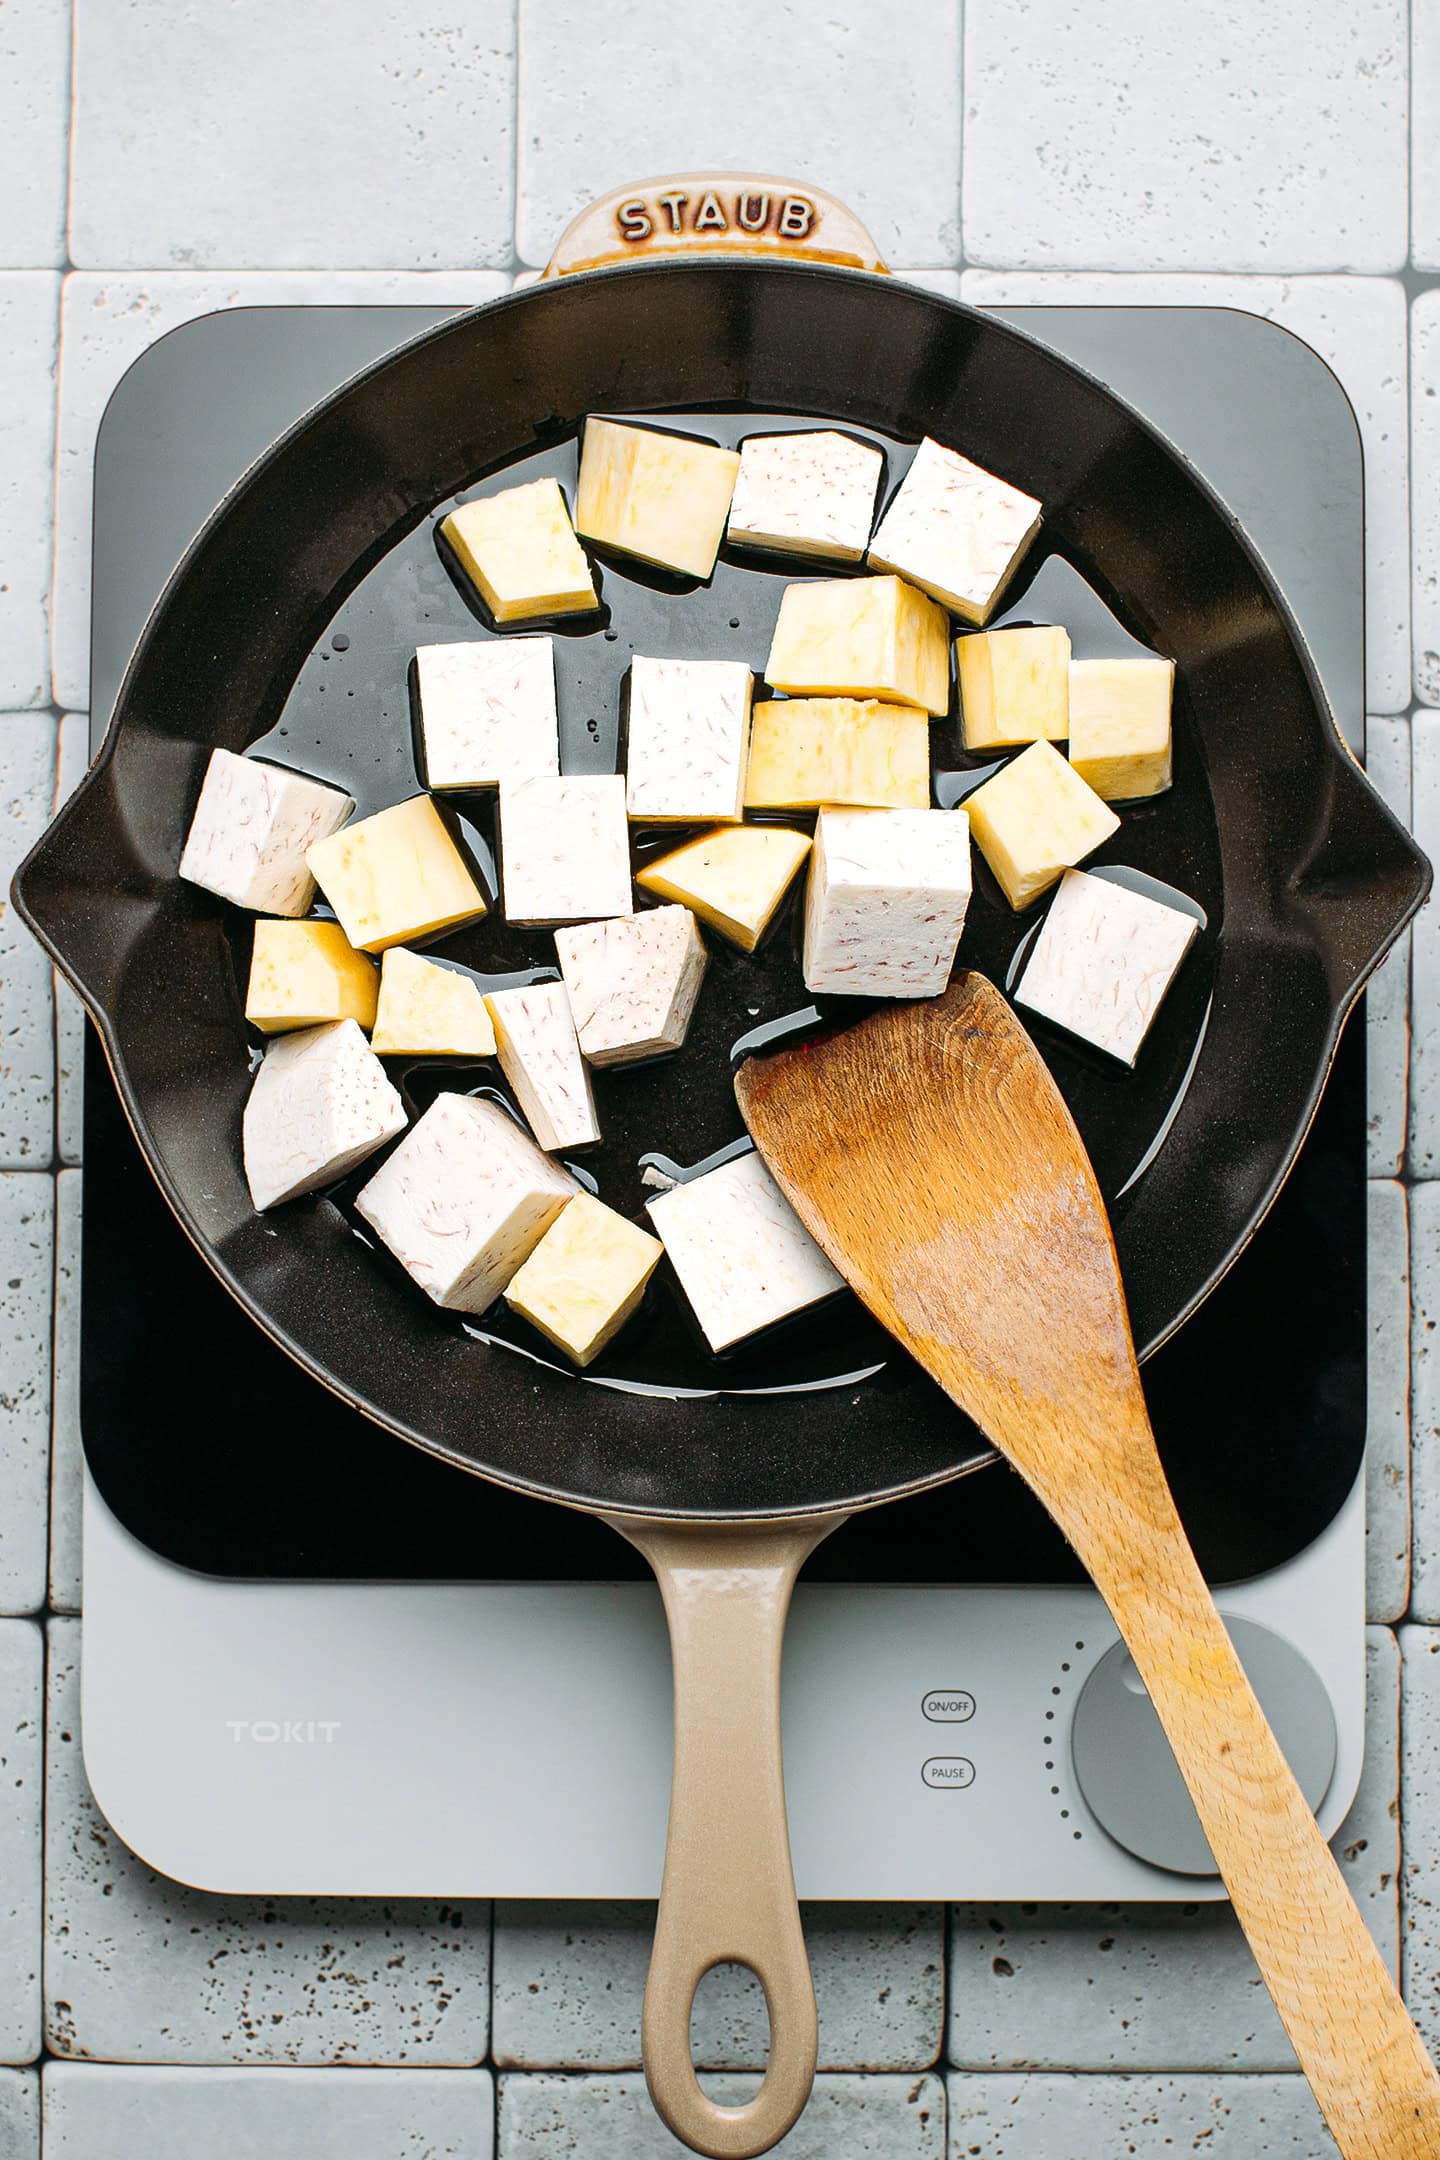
[929,1151]
[1375,2084]
[728,1896]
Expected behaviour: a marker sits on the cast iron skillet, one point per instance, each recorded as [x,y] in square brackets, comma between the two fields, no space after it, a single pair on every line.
[724,1472]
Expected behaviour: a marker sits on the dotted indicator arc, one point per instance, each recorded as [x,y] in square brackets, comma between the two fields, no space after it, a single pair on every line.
[1053,1747]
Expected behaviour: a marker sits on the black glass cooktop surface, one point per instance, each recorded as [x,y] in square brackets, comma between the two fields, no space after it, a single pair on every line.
[220,1454]
[217,1451]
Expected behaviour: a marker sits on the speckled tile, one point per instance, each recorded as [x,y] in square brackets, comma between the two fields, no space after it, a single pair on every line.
[1423,1154]
[1425,489]
[1357,326]
[99,2111]
[863,102]
[1003,2117]
[275,136]
[29,304]
[71,767]
[1073,156]
[20,2114]
[27,1268]
[569,1980]
[34,131]
[1420,1813]
[1387,1447]
[108,320]
[141,1969]
[22,1779]
[1174,138]
[1387,996]
[67,1462]
[610,2118]
[27,1021]
[1160,1987]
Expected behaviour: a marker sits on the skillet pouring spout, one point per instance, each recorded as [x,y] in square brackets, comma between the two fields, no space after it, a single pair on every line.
[930,1153]
[1359,883]
[83,894]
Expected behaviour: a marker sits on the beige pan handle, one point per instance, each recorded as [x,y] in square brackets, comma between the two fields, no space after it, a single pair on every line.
[712,213]
[728,1895]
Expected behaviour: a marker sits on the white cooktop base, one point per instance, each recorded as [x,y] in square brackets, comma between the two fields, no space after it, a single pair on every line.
[485,1740]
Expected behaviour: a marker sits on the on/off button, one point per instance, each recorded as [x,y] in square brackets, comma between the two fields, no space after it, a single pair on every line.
[948,1706]
[949,1773]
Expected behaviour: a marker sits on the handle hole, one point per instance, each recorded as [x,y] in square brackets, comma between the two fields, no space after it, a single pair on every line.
[730,2025]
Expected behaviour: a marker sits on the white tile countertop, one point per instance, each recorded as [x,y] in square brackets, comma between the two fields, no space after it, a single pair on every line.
[1109,139]
[165,158]
[290,1981]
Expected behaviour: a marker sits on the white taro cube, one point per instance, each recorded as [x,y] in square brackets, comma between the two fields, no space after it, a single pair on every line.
[886,901]
[540,1057]
[319,1104]
[688,739]
[633,982]
[1103,961]
[955,530]
[742,1254]
[464,1200]
[810,493]
[487,711]
[251,828]
[565,849]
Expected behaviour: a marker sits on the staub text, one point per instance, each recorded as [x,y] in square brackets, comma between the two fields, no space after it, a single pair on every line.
[749,210]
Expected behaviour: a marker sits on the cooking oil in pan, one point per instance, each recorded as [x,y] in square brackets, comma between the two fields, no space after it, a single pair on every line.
[349,719]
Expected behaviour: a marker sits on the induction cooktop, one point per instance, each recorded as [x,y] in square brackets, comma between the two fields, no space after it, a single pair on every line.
[295,1602]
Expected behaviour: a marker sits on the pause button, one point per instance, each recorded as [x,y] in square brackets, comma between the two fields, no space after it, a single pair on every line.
[949,1773]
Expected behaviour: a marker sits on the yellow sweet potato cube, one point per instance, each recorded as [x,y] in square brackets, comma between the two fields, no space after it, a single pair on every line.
[584,1278]
[863,637]
[395,876]
[733,878]
[304,973]
[519,550]
[1014,686]
[429,1010]
[843,751]
[1120,725]
[1036,819]
[662,497]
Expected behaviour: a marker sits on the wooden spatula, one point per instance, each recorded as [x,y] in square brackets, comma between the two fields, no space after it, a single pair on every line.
[930,1153]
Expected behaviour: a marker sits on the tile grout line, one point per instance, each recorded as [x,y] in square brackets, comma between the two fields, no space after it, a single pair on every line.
[489,2056]
[46,2054]
[947,1936]
[70,133]
[515,109]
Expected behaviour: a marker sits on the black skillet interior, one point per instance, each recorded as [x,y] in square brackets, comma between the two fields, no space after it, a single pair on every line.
[291,630]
